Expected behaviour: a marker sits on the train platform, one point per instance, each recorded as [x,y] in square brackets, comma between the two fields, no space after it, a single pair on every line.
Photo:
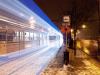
[81,65]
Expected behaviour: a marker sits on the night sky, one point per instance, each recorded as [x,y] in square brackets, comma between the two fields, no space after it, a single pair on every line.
[54,9]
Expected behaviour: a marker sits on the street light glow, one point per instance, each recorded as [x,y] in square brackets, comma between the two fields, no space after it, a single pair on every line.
[78,31]
[71,30]
[83,26]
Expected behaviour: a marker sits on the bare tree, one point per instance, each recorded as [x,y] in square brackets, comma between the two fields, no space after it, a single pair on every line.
[80,14]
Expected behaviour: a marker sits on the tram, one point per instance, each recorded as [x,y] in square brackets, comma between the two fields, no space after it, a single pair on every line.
[20,30]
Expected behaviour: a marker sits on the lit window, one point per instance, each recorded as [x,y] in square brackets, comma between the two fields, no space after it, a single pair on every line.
[31,36]
[26,36]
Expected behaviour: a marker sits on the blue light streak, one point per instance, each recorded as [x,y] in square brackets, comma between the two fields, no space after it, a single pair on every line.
[17,8]
[32,5]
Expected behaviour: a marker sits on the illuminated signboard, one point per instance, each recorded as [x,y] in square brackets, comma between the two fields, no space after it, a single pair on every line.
[66,19]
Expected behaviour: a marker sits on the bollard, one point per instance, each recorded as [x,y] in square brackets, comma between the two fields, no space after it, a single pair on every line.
[66,57]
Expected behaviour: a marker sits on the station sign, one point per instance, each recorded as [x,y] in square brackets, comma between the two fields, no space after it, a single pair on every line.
[66,19]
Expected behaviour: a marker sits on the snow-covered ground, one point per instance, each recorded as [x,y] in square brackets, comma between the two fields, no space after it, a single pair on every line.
[81,65]
[32,63]
[57,67]
[36,63]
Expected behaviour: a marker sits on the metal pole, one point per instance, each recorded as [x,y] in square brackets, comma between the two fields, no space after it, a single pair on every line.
[66,36]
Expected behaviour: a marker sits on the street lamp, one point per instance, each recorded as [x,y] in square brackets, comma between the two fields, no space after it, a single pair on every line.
[71,30]
[83,26]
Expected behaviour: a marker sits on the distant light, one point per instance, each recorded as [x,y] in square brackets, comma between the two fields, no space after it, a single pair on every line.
[32,21]
[71,30]
[32,17]
[78,31]
[83,26]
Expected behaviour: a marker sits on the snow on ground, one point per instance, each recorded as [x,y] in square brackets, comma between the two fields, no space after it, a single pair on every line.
[37,63]
[81,65]
[57,67]
[65,70]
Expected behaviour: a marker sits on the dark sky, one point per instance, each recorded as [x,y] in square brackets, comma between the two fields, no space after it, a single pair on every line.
[54,9]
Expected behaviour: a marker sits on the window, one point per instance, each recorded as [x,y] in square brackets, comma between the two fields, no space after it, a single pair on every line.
[40,36]
[44,37]
[16,35]
[21,36]
[31,36]
[2,36]
[58,37]
[26,36]
[35,36]
[3,33]
[52,37]
[10,37]
[10,34]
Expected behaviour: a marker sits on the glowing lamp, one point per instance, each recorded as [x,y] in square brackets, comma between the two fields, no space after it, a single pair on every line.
[83,26]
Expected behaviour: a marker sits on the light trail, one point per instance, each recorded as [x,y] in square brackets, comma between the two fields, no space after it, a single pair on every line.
[15,7]
[10,68]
